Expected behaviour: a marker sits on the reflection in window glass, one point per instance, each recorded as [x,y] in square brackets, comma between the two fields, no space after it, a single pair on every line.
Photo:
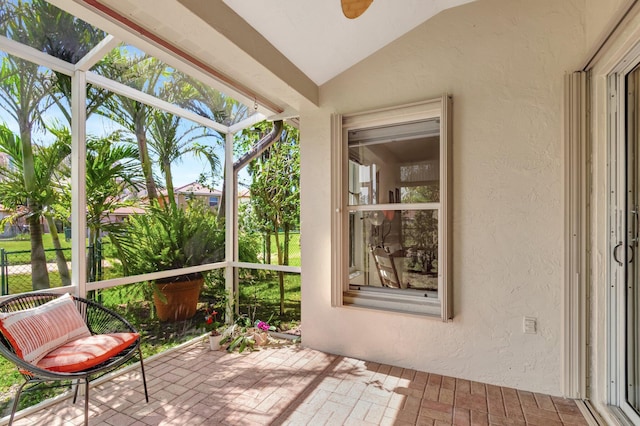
[394,249]
[393,164]
[395,232]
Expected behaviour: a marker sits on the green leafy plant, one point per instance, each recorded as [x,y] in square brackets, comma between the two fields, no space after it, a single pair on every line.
[246,335]
[167,237]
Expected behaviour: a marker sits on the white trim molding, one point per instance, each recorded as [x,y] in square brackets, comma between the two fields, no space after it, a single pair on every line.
[440,303]
[575,337]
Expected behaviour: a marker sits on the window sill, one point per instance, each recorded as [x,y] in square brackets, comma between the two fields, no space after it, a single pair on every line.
[394,301]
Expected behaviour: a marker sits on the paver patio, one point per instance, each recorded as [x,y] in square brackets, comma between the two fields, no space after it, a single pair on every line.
[299,386]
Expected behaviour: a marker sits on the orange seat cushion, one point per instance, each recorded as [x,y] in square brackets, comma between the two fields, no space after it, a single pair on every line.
[36,331]
[86,352]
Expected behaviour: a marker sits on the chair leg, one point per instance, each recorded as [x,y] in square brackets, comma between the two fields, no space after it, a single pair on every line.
[144,379]
[15,402]
[75,393]
[86,401]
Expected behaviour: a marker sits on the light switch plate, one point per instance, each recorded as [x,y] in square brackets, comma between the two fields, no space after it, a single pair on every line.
[530,325]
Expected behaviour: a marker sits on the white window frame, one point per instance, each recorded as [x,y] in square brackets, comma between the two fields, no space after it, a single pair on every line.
[393,300]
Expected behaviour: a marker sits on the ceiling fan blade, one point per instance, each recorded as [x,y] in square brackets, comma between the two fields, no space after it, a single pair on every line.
[354,8]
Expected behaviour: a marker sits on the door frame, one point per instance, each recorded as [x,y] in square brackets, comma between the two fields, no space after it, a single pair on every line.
[616,226]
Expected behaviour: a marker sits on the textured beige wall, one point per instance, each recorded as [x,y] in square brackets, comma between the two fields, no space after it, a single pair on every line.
[598,16]
[503,61]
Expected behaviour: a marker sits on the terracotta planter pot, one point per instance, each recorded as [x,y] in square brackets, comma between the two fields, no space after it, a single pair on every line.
[181,299]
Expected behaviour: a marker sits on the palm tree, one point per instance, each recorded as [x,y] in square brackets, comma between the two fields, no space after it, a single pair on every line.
[111,169]
[34,204]
[143,74]
[65,37]
[210,103]
[169,141]
[27,91]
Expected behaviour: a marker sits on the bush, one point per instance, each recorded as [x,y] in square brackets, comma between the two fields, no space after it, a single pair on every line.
[168,238]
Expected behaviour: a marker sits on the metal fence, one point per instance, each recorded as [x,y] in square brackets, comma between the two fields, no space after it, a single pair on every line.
[289,244]
[15,268]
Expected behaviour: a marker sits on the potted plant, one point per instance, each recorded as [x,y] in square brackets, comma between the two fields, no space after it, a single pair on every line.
[165,238]
[215,331]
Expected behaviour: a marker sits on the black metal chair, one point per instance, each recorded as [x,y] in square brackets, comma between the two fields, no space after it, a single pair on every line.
[99,320]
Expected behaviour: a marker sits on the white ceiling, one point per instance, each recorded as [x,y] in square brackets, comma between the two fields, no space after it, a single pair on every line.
[321,42]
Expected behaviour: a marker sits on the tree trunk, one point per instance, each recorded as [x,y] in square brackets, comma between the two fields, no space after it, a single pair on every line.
[39,274]
[145,161]
[280,273]
[286,244]
[223,197]
[267,244]
[91,255]
[63,269]
[168,177]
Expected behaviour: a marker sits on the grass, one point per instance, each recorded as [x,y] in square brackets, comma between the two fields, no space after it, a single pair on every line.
[21,282]
[259,297]
[22,243]
[294,249]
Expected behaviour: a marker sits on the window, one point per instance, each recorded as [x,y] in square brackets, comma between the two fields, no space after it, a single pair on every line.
[213,201]
[392,194]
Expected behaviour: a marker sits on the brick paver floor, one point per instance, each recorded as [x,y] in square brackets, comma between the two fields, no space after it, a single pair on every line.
[298,386]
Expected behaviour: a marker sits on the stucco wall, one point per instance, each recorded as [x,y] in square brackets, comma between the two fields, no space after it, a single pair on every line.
[503,61]
[598,18]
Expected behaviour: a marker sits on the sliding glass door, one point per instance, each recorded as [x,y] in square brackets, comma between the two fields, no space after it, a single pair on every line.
[629,298]
[624,225]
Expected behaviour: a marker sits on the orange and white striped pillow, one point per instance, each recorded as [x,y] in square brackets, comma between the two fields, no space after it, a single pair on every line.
[36,331]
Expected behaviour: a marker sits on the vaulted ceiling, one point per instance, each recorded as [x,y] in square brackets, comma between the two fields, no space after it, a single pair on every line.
[321,41]
[245,44]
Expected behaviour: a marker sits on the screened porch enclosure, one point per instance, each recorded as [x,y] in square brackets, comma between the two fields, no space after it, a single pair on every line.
[149,116]
[125,139]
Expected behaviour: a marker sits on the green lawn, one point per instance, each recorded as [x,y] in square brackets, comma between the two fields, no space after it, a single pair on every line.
[260,297]
[21,283]
[294,249]
[22,243]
